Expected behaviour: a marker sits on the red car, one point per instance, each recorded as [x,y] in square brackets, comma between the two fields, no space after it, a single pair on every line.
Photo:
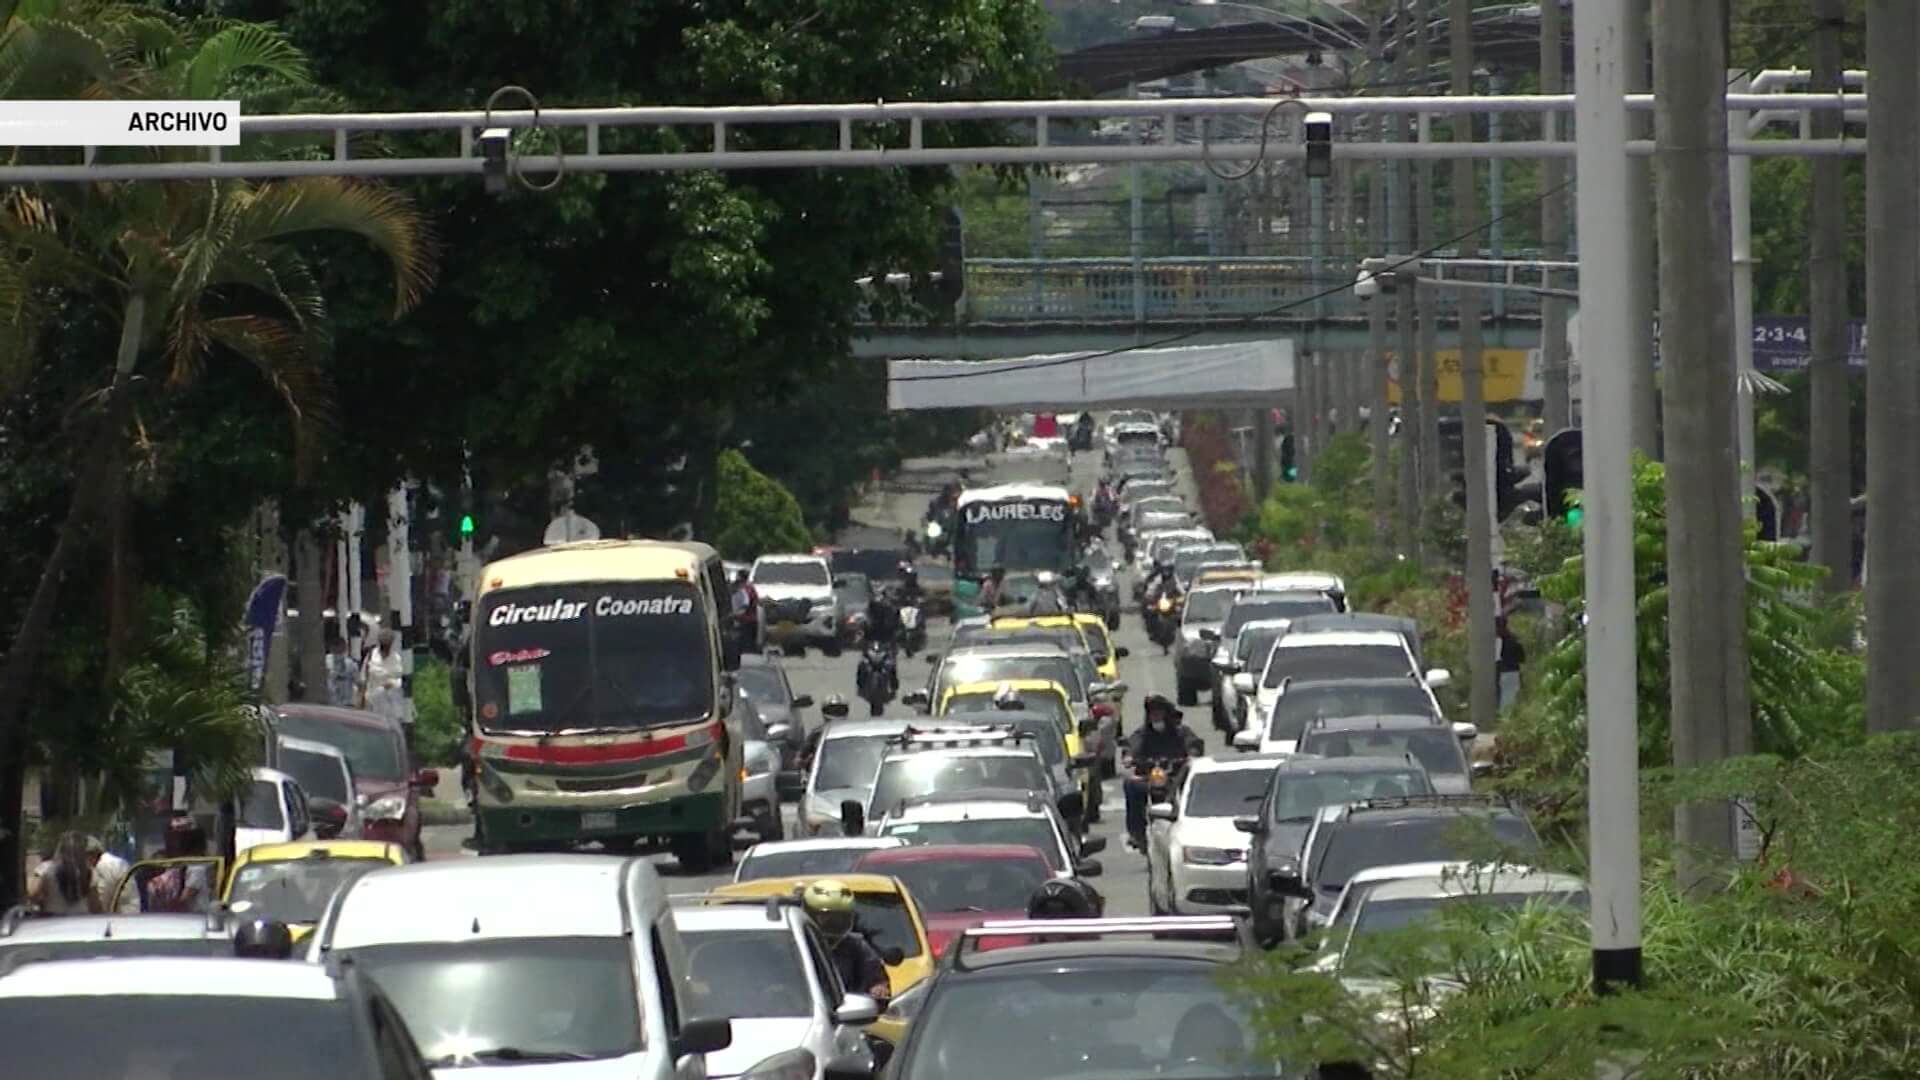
[961,885]
[386,785]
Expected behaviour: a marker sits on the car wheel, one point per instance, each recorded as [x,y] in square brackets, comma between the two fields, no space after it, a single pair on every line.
[692,852]
[832,648]
[794,650]
[773,828]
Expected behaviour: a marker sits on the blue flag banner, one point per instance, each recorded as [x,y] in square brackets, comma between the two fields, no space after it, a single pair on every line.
[262,617]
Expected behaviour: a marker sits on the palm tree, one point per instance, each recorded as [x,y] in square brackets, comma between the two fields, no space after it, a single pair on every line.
[191,272]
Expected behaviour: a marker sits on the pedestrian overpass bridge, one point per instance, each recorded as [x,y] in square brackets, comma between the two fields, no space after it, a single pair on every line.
[1028,307]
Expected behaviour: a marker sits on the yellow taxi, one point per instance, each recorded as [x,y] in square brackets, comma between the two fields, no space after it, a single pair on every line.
[1216,575]
[1043,697]
[1093,631]
[885,910]
[292,883]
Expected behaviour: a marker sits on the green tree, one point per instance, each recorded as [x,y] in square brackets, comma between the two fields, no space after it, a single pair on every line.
[753,514]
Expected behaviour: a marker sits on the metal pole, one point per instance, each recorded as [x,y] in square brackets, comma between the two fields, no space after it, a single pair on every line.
[1613,745]
[1035,233]
[1408,358]
[1481,636]
[1892,580]
[1136,229]
[1557,409]
[1639,226]
[1427,418]
[1378,371]
[1830,469]
[1496,198]
[1740,203]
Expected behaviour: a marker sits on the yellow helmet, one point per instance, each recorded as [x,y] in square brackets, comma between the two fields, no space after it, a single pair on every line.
[830,904]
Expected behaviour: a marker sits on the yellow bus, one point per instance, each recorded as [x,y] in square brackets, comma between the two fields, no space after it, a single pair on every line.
[602,709]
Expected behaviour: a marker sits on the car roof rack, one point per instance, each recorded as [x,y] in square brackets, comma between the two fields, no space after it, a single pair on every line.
[960,736]
[1035,802]
[1238,927]
[773,903]
[1434,801]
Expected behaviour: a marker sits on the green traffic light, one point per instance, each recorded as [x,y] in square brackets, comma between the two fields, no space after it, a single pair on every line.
[1293,473]
[1573,515]
[466,524]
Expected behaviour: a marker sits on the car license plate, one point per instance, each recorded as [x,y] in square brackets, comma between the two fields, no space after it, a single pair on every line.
[597,820]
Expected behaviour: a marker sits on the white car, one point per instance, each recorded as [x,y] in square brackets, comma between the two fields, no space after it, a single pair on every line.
[1402,903]
[1249,646]
[1196,857]
[1323,657]
[456,944]
[987,817]
[798,604]
[1340,917]
[812,857]
[763,966]
[272,811]
[842,769]
[323,772]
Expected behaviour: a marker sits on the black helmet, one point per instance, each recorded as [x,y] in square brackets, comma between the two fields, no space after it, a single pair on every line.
[835,707]
[263,939]
[1161,702]
[1065,898]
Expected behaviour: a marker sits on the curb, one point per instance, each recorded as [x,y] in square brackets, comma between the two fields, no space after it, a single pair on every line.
[434,812]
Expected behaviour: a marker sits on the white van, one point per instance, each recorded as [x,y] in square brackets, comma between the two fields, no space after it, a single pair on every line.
[326,776]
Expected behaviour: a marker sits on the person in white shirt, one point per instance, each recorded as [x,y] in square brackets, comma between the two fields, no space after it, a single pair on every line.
[109,870]
[64,885]
[382,687]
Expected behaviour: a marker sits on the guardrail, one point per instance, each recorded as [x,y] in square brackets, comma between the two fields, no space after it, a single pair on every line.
[1172,290]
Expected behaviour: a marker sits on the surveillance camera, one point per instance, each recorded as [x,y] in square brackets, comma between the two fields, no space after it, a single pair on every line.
[1319,127]
[494,144]
[1365,285]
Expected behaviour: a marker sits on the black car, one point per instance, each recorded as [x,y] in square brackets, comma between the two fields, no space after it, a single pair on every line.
[762,682]
[1303,702]
[881,566]
[1296,792]
[1098,996]
[1393,831]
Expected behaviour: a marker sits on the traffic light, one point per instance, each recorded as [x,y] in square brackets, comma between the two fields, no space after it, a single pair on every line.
[1288,470]
[1767,510]
[1562,466]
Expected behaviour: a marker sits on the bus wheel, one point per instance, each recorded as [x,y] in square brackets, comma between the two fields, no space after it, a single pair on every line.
[691,851]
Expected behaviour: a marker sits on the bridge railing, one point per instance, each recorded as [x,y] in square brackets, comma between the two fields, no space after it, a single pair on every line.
[1172,290]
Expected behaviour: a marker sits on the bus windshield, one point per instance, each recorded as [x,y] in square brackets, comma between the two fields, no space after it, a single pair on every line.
[1019,534]
[613,655]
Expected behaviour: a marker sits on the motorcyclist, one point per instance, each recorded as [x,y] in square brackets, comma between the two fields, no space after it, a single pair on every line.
[990,589]
[883,617]
[263,939]
[909,587]
[829,904]
[1047,597]
[877,678]
[1162,736]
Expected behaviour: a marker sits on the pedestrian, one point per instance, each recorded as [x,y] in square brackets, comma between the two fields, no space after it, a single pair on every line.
[109,871]
[182,888]
[383,683]
[1510,655]
[340,674]
[63,885]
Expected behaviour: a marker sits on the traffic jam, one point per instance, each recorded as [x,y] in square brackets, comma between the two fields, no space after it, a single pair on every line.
[1074,759]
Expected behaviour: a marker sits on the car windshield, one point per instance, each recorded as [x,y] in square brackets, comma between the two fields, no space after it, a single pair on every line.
[848,762]
[1034,832]
[18,955]
[940,886]
[1363,957]
[791,573]
[319,774]
[1039,704]
[935,773]
[1437,748]
[1226,793]
[762,684]
[293,890]
[1298,707]
[260,807]
[1336,662]
[188,1035]
[375,752]
[1290,607]
[468,1003]
[855,591]
[615,656]
[1208,606]
[883,917]
[1189,559]
[1166,1018]
[1377,915]
[807,862]
[1255,642]
[1300,792]
[1345,849]
[746,974]
[963,669]
[1017,535]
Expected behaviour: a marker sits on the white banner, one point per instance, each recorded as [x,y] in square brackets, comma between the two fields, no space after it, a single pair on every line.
[119,123]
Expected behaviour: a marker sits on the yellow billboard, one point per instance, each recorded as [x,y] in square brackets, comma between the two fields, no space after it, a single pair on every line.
[1504,375]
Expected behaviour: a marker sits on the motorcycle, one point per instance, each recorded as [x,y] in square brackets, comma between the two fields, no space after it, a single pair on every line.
[877,678]
[913,632]
[1162,617]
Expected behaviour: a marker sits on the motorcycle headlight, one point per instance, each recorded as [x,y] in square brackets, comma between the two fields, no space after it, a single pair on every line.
[1211,856]
[933,530]
[1165,605]
[387,808]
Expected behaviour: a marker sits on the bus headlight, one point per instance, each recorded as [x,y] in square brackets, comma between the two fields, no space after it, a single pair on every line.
[704,773]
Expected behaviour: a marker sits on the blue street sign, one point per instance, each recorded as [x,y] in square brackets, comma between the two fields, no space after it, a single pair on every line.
[1784,343]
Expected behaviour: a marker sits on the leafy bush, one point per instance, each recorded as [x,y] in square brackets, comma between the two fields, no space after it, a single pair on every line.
[438,731]
[752,513]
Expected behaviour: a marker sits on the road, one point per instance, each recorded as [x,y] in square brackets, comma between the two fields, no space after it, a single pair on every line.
[898,505]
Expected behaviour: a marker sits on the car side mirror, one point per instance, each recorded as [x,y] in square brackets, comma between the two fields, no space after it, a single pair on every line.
[1093,845]
[1285,880]
[1465,732]
[329,817]
[1243,683]
[1209,635]
[1121,652]
[853,818]
[1248,825]
[702,1037]
[1162,811]
[1482,769]
[835,710]
[1088,868]
[426,779]
[915,698]
[1439,677]
[1246,741]
[839,583]
[779,731]
[804,701]
[857,1009]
